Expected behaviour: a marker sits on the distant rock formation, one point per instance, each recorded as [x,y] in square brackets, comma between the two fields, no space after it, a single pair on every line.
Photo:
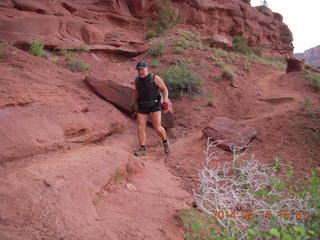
[311,56]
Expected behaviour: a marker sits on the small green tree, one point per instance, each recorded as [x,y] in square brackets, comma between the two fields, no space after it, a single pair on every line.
[240,45]
[163,18]
[264,3]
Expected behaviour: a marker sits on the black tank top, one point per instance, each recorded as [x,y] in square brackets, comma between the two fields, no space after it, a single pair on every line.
[147,88]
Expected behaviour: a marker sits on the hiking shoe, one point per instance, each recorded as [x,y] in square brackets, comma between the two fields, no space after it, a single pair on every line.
[166,147]
[140,152]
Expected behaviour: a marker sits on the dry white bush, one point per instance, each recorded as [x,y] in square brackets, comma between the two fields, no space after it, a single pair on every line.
[243,188]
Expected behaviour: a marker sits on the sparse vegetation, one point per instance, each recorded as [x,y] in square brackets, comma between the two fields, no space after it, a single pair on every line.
[48,55]
[85,48]
[246,65]
[210,99]
[313,116]
[305,104]
[187,62]
[77,65]
[155,63]
[245,199]
[157,49]
[117,177]
[116,35]
[220,57]
[182,43]
[227,75]
[1,51]
[189,35]
[73,64]
[178,50]
[182,82]
[95,201]
[188,39]
[163,18]
[276,62]
[220,64]
[314,78]
[36,48]
[240,45]
[151,34]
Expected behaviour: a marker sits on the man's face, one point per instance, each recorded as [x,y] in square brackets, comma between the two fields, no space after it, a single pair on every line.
[143,72]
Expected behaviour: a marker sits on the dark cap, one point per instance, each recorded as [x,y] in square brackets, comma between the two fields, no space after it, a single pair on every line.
[141,65]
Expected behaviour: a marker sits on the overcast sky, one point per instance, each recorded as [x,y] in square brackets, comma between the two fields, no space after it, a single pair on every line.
[303,19]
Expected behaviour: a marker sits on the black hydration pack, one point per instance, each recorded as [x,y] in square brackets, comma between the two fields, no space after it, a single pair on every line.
[148,91]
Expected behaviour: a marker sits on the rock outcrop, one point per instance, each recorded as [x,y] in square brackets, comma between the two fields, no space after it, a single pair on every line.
[229,133]
[294,64]
[71,24]
[219,41]
[40,111]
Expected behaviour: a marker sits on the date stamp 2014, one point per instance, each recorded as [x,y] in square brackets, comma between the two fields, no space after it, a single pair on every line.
[266,214]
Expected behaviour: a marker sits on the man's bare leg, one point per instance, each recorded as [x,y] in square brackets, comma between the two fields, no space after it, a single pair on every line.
[156,123]
[141,124]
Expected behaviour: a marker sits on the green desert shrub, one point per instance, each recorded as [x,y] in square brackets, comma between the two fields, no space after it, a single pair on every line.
[315,81]
[84,48]
[178,50]
[227,75]
[76,65]
[1,51]
[305,104]
[157,49]
[151,34]
[36,48]
[182,43]
[240,45]
[155,63]
[163,18]
[182,82]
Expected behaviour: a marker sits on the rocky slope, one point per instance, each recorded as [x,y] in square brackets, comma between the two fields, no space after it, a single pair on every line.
[311,56]
[119,25]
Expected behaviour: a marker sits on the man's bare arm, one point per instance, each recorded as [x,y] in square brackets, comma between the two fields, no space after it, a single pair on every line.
[135,95]
[159,82]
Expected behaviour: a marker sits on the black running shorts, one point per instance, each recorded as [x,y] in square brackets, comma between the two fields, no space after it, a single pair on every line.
[147,110]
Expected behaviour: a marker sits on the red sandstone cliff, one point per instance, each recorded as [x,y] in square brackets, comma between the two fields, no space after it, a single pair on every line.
[98,22]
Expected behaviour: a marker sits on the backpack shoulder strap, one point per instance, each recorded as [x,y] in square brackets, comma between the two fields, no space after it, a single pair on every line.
[153,76]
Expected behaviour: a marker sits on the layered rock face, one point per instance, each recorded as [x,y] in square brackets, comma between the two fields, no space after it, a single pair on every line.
[118,26]
[311,56]
[261,27]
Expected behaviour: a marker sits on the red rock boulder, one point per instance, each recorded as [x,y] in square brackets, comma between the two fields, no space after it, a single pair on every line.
[294,64]
[229,133]
[219,41]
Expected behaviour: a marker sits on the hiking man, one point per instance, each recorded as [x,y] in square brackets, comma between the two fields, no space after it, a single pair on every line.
[148,99]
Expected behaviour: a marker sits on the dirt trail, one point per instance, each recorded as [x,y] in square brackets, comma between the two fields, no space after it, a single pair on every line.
[272,91]
[89,193]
